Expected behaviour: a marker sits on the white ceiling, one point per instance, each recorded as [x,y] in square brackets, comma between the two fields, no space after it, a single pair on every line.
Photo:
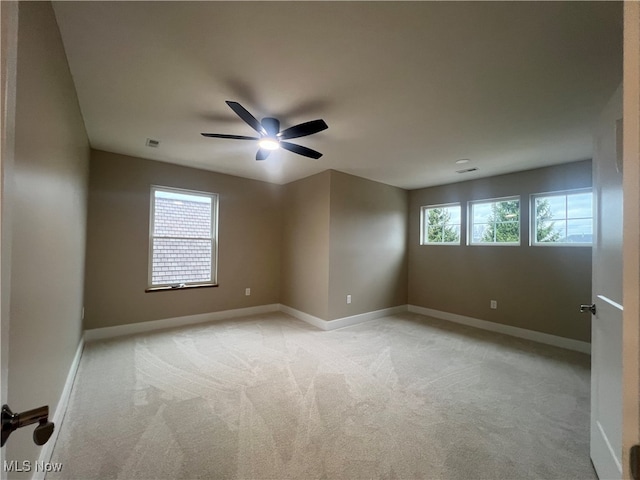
[407,88]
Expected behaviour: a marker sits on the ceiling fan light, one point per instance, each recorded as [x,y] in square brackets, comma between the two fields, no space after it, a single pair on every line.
[269,143]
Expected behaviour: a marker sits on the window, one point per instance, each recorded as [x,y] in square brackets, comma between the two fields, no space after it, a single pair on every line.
[495,222]
[440,224]
[182,239]
[562,218]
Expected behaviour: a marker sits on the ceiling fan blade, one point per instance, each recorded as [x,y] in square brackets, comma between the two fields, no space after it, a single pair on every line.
[300,150]
[304,129]
[224,135]
[244,114]
[262,154]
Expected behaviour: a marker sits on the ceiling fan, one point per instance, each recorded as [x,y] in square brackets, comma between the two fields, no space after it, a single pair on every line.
[271,138]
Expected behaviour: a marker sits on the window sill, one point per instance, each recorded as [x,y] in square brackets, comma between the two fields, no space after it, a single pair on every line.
[495,244]
[446,244]
[182,287]
[561,244]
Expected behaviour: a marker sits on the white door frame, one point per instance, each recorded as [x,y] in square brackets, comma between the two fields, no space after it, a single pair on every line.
[631,234]
[9,17]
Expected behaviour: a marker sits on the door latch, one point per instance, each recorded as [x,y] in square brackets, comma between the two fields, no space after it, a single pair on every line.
[12,421]
[588,308]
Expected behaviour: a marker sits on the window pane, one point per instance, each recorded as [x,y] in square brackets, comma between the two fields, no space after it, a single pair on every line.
[180,261]
[441,224]
[509,210]
[507,232]
[495,222]
[481,212]
[481,233]
[180,215]
[580,231]
[551,231]
[443,234]
[453,234]
[434,233]
[579,205]
[442,215]
[454,215]
[553,207]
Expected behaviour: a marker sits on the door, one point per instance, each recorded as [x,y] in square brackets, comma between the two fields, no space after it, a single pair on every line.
[631,239]
[615,337]
[606,324]
[9,43]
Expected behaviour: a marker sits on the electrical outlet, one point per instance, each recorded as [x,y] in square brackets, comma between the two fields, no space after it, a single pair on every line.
[247,291]
[348,298]
[494,304]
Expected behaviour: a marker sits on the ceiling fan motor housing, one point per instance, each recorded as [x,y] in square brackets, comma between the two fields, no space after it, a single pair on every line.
[271,125]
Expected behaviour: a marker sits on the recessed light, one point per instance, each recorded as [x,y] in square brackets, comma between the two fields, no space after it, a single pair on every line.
[462,160]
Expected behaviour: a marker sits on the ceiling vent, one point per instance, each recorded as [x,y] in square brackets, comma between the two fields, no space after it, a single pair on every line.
[153,143]
[467,170]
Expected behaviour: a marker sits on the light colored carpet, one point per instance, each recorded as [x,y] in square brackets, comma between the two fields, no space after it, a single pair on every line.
[269,397]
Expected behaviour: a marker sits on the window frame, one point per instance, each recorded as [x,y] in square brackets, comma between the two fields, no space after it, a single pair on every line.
[423,237]
[213,282]
[532,217]
[470,223]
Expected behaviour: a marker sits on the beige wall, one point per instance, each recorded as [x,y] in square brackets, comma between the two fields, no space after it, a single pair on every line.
[368,245]
[330,234]
[537,288]
[343,235]
[118,242]
[305,245]
[48,227]
[309,243]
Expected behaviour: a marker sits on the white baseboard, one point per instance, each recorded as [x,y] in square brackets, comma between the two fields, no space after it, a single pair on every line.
[539,337]
[61,409]
[344,321]
[141,327]
[132,328]
[305,317]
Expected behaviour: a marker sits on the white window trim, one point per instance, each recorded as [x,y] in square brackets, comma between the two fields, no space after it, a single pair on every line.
[470,241]
[422,232]
[214,239]
[532,219]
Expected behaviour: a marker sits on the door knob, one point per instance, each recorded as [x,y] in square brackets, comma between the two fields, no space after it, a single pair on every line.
[588,308]
[42,433]
[12,421]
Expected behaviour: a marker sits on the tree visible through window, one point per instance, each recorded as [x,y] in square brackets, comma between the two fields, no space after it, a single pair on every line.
[441,224]
[182,239]
[546,227]
[495,222]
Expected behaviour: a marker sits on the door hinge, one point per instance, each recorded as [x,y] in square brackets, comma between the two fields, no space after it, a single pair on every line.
[634,462]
